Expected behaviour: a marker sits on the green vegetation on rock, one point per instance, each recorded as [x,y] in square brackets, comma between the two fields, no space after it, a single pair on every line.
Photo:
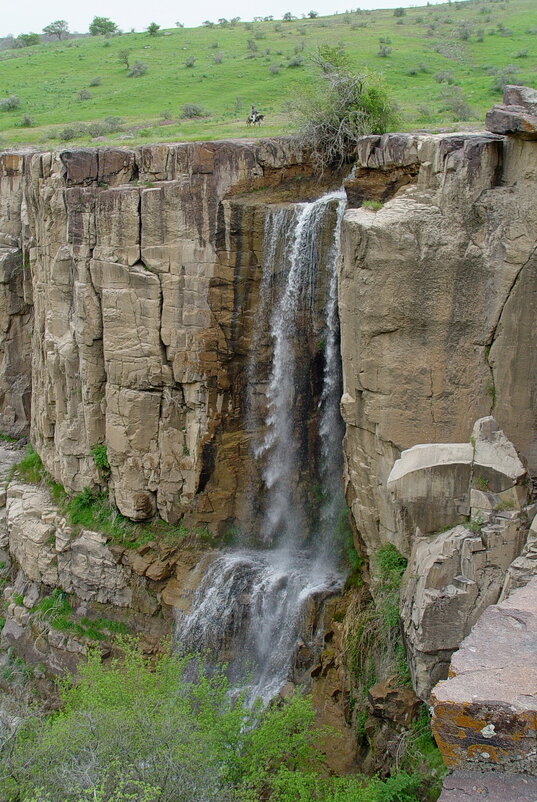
[30,468]
[171,733]
[56,611]
[92,508]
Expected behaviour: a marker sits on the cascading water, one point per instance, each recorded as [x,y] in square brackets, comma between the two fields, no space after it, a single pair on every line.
[253,608]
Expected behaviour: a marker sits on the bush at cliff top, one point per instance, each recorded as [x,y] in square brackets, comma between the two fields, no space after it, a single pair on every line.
[342,107]
[171,733]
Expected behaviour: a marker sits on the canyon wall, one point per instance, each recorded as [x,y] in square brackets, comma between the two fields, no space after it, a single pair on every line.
[142,275]
[130,283]
[437,300]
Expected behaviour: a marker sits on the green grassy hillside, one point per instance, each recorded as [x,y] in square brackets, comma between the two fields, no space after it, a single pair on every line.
[440,63]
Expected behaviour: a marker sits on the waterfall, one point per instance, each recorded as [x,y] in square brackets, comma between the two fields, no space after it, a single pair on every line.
[256,607]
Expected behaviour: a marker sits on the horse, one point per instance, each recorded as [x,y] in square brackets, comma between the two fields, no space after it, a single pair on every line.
[255,119]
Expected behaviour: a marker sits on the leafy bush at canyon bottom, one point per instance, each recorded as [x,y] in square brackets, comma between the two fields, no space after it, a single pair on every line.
[171,733]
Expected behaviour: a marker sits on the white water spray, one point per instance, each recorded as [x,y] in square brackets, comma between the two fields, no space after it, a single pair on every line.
[254,607]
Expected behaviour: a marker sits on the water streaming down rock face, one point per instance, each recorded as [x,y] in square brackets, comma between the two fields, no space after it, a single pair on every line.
[256,607]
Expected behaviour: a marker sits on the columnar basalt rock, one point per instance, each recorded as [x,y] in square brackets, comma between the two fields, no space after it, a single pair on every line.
[129,257]
[437,299]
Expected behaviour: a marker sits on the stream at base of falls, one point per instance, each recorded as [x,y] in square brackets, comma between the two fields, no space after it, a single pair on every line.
[258,607]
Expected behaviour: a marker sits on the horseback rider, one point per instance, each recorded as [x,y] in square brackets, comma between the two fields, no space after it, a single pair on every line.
[253,114]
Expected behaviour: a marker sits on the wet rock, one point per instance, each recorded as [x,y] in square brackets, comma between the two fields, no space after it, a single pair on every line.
[387,699]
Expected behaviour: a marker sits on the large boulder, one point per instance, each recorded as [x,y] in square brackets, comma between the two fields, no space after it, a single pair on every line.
[517,115]
[431,484]
[485,714]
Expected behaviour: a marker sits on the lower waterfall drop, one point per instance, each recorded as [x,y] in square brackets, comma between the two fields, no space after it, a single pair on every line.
[255,607]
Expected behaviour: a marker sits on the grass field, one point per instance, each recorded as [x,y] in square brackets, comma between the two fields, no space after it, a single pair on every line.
[441,64]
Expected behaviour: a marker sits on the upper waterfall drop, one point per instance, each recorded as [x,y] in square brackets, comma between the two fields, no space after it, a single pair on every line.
[253,607]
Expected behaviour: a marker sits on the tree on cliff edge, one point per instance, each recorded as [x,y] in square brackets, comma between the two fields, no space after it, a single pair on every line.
[341,107]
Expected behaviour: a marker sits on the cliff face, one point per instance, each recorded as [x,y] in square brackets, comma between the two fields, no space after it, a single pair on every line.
[143,281]
[438,294]
[437,299]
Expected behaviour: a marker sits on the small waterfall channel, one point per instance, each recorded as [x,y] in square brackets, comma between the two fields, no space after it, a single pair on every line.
[257,606]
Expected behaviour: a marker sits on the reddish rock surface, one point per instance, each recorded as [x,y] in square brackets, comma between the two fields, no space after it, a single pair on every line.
[486,713]
[463,786]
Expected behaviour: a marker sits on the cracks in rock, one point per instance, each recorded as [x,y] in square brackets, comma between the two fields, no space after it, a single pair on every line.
[139,212]
[491,387]
[163,347]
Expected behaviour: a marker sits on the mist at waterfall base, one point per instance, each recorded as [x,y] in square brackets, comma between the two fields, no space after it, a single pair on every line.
[257,606]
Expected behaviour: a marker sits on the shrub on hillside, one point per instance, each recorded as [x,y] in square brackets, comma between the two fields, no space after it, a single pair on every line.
[26,40]
[191,111]
[138,69]
[96,129]
[84,94]
[102,26]
[444,77]
[503,77]
[384,51]
[113,124]
[455,102]
[10,103]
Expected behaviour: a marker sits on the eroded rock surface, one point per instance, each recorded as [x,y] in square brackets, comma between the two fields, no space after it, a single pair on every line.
[517,115]
[454,575]
[50,553]
[485,714]
[463,786]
